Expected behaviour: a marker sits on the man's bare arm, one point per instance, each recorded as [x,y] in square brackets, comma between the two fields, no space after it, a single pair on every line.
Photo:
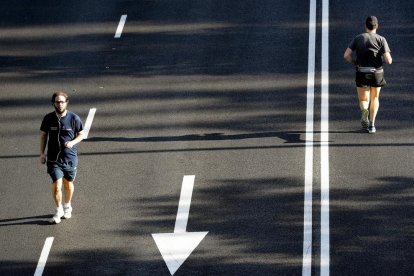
[78,139]
[387,58]
[348,57]
[43,140]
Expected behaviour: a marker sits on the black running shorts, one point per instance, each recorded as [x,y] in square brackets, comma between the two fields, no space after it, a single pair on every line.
[371,79]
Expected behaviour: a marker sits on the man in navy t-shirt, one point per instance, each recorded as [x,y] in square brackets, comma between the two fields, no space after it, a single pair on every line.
[61,130]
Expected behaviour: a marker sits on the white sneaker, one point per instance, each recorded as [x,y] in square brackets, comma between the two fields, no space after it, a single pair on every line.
[59,214]
[67,212]
[372,129]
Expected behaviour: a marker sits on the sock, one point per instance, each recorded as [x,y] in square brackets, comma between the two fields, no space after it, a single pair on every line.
[67,205]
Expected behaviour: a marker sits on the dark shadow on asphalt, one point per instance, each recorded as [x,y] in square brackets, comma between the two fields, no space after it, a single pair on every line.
[218,148]
[261,217]
[289,137]
[83,262]
[37,220]
[255,227]
[372,228]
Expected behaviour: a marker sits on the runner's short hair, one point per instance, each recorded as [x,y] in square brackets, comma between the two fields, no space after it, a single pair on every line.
[371,22]
[59,93]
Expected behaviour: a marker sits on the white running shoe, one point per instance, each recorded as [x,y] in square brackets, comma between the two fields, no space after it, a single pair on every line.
[67,212]
[59,214]
[372,129]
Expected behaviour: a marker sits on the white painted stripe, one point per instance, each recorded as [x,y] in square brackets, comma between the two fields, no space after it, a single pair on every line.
[120,26]
[184,204]
[307,218]
[88,122]
[43,256]
[325,259]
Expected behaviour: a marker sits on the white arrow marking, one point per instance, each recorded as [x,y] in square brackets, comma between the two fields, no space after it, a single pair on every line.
[88,122]
[184,204]
[176,247]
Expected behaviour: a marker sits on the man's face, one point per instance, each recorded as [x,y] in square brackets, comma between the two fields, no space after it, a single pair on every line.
[60,104]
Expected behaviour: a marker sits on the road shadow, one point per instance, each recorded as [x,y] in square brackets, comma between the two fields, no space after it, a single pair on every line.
[372,228]
[37,220]
[85,262]
[288,137]
[255,225]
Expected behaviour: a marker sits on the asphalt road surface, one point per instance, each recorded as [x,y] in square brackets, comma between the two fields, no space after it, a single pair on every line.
[220,90]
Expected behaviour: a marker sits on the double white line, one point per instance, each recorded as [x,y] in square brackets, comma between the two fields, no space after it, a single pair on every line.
[324,146]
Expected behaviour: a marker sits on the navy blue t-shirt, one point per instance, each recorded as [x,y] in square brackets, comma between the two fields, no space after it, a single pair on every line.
[59,132]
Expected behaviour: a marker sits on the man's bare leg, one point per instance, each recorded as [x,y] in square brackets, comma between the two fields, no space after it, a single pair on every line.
[57,196]
[57,192]
[69,189]
[364,98]
[374,99]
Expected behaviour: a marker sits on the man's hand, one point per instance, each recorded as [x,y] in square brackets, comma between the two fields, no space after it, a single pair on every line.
[79,137]
[348,56]
[42,158]
[69,144]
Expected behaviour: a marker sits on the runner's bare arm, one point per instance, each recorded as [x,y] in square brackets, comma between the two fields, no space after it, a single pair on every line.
[387,58]
[43,140]
[79,138]
[348,56]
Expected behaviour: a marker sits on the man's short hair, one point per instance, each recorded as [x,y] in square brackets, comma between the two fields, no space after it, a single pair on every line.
[371,23]
[60,93]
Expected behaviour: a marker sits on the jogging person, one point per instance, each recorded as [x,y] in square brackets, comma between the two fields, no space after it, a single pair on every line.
[371,50]
[61,130]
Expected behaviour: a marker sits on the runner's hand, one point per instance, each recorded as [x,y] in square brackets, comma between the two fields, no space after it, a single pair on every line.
[42,158]
[69,144]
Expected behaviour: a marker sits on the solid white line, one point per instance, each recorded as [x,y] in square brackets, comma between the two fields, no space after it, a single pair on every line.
[307,217]
[325,259]
[43,256]
[88,122]
[184,204]
[120,26]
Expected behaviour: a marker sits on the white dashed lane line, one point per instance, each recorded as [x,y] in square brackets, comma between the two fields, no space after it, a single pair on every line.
[120,26]
[43,256]
[88,122]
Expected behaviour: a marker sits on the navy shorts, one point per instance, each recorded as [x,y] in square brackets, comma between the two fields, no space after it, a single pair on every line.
[375,79]
[58,170]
